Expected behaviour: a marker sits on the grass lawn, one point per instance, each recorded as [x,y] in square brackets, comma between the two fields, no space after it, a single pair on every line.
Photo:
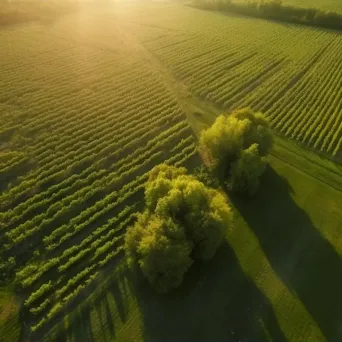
[278,277]
[9,316]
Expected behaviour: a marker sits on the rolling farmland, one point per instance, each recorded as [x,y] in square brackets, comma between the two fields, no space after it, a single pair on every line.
[92,102]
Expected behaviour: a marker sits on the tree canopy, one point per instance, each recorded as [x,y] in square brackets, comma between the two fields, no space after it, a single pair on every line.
[160,249]
[247,170]
[276,10]
[184,220]
[236,146]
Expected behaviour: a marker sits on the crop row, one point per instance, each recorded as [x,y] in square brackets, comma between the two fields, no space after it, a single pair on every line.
[68,291]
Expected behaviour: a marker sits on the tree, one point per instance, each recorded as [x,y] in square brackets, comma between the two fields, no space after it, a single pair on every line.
[257,132]
[202,212]
[241,135]
[247,170]
[161,250]
[160,183]
[206,223]
[223,141]
[184,220]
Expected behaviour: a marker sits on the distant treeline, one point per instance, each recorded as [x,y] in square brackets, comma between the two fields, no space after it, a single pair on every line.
[19,11]
[275,10]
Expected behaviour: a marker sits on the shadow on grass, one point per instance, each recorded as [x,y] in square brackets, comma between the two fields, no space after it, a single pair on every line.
[216,302]
[305,261]
[95,318]
[68,332]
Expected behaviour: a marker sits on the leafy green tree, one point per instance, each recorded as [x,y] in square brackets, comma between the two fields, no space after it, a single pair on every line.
[258,131]
[229,140]
[247,170]
[205,176]
[223,141]
[166,171]
[207,222]
[161,250]
[184,220]
[203,212]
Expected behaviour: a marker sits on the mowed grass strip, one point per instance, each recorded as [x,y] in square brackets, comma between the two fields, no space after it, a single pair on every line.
[293,227]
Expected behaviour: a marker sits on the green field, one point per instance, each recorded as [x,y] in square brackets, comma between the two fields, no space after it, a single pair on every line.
[91,102]
[276,280]
[234,61]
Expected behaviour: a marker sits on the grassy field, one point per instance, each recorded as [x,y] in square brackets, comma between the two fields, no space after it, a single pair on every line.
[91,102]
[9,315]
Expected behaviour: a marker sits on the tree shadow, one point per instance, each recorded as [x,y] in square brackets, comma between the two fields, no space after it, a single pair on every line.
[95,319]
[119,297]
[82,333]
[106,321]
[216,302]
[306,262]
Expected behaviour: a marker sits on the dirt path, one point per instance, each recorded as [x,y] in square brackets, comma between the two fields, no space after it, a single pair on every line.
[196,110]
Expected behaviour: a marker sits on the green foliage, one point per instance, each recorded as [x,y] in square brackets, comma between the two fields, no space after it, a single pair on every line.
[184,221]
[166,171]
[247,170]
[35,295]
[204,175]
[275,10]
[161,249]
[235,146]
[160,183]
[41,307]
[207,221]
[224,138]
[258,132]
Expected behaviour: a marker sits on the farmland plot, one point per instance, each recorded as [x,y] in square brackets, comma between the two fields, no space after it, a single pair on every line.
[290,72]
[81,125]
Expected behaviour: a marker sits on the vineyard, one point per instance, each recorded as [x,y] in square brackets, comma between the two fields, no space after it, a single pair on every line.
[81,127]
[291,73]
[91,103]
